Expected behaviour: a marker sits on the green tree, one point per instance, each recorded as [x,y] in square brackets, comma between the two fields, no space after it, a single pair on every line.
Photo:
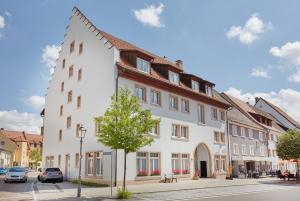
[288,146]
[125,125]
[35,156]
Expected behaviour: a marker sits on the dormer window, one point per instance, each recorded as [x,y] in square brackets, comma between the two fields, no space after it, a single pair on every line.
[173,77]
[143,65]
[208,90]
[195,85]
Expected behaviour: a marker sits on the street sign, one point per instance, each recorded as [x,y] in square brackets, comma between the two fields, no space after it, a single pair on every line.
[107,153]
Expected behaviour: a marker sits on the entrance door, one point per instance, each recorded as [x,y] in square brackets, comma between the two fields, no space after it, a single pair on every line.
[203,169]
[67,167]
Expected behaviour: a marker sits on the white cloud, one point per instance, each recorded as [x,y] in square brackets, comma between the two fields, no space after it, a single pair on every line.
[16,121]
[8,14]
[37,102]
[250,32]
[49,56]
[289,52]
[287,99]
[150,15]
[295,77]
[2,22]
[260,72]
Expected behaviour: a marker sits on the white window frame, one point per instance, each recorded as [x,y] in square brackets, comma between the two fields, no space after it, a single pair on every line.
[186,130]
[234,130]
[262,151]
[235,149]
[90,161]
[243,135]
[195,85]
[174,128]
[244,150]
[251,150]
[140,93]
[155,97]
[143,65]
[208,90]
[176,165]
[185,105]
[174,77]
[152,164]
[214,114]
[222,114]
[201,114]
[173,101]
[139,160]
[99,156]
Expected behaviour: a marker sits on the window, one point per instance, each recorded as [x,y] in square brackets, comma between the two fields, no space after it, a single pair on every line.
[99,164]
[173,103]
[244,149]
[77,160]
[214,114]
[173,77]
[141,164]
[208,90]
[243,132]
[195,85]
[79,74]
[59,160]
[78,101]
[77,130]
[250,134]
[222,115]
[246,132]
[80,48]
[61,110]
[155,97]
[201,114]
[143,65]
[261,138]
[251,150]
[64,63]
[140,92]
[176,164]
[220,163]
[70,96]
[69,122]
[222,137]
[71,71]
[72,47]
[184,132]
[235,149]
[216,137]
[60,135]
[175,130]
[155,129]
[90,164]
[185,107]
[154,164]
[62,86]
[185,161]
[262,151]
[234,130]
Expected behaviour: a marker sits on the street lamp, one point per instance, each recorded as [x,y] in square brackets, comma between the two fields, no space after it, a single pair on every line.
[81,131]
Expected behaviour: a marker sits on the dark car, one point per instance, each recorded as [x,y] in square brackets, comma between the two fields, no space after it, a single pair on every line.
[51,174]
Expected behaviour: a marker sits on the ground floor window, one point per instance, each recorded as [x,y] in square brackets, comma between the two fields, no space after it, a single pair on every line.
[94,163]
[49,161]
[185,160]
[220,163]
[176,164]
[148,164]
[99,164]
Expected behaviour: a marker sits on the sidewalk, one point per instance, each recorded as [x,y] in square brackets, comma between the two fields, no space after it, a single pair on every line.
[67,190]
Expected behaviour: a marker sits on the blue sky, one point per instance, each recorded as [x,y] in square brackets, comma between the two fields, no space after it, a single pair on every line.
[247,48]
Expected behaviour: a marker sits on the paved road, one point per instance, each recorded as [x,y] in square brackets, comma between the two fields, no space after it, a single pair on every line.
[16,191]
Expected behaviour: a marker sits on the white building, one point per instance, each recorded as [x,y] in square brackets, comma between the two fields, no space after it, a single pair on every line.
[92,64]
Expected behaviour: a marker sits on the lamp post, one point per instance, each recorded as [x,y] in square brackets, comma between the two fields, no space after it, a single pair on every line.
[82,132]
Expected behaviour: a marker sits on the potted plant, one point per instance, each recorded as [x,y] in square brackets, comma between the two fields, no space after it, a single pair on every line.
[185,171]
[155,172]
[142,173]
[176,171]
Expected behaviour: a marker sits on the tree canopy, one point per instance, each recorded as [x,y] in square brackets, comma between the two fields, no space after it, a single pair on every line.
[288,145]
[35,155]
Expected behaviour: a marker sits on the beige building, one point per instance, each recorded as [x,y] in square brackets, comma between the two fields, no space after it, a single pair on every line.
[15,148]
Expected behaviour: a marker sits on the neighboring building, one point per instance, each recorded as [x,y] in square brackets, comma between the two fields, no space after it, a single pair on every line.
[92,65]
[7,151]
[253,136]
[283,119]
[24,143]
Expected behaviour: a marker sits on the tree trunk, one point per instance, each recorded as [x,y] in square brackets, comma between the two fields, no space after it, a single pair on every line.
[124,178]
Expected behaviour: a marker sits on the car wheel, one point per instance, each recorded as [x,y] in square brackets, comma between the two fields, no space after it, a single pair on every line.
[61,180]
[5,181]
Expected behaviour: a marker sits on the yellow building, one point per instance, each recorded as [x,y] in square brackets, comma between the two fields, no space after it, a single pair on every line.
[15,148]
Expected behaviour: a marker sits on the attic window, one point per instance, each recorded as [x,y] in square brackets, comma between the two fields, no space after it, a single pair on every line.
[208,90]
[174,77]
[72,47]
[143,65]
[195,85]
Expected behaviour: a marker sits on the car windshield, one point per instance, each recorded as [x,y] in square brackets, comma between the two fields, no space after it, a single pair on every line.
[17,170]
[52,170]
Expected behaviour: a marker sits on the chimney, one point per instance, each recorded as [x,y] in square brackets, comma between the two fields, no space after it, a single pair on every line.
[179,64]
[256,99]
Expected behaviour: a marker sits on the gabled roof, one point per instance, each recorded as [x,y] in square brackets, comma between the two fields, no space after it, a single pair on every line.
[18,136]
[124,45]
[282,113]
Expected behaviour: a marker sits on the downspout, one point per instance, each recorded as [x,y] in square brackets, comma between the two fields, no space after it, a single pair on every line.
[116,151]
[228,145]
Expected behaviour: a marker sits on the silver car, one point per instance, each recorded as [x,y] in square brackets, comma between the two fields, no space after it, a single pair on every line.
[18,174]
[51,174]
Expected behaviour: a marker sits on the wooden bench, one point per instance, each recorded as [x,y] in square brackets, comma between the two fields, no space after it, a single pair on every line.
[170,178]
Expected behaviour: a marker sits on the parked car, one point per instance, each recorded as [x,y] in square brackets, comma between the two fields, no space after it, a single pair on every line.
[51,174]
[3,171]
[16,174]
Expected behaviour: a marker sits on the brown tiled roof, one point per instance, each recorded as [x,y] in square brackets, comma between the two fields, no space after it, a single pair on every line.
[283,113]
[124,45]
[18,136]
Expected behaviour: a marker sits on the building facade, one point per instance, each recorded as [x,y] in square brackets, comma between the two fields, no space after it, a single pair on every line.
[190,138]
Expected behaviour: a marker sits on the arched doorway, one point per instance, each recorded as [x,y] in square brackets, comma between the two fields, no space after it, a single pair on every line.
[202,159]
